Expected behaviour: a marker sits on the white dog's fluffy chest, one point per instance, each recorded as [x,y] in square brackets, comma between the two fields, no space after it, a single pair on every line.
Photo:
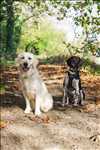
[33,84]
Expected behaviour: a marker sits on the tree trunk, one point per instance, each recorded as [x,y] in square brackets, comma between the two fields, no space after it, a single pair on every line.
[10,51]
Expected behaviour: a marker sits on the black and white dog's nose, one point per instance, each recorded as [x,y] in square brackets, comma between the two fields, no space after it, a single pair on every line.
[25,64]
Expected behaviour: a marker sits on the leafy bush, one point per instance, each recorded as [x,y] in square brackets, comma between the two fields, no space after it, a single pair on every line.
[44,40]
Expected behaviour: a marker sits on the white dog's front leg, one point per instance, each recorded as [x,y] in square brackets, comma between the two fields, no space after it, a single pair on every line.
[37,106]
[28,106]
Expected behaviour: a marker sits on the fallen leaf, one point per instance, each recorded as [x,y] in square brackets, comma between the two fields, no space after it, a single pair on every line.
[42,119]
[46,119]
[89,108]
[95,138]
[3,124]
[97,103]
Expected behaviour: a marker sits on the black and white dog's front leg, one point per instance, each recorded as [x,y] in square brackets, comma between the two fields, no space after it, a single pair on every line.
[82,97]
[65,100]
[75,84]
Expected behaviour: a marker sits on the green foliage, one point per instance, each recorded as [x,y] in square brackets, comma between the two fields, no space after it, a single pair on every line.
[20,32]
[6,62]
[91,67]
[44,40]
[2,88]
[11,24]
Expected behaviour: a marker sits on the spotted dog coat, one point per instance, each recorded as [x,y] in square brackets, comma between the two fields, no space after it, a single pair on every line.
[73,91]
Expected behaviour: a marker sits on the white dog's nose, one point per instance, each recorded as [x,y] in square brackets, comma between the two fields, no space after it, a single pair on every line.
[25,64]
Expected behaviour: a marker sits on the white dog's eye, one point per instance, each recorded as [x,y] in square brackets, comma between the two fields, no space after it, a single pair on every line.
[22,57]
[29,58]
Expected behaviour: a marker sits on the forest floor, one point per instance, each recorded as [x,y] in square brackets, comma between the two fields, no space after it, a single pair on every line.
[61,128]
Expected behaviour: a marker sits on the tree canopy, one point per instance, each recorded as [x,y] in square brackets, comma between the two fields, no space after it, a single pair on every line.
[17,14]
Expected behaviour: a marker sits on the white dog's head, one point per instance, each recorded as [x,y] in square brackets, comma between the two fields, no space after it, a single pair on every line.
[26,61]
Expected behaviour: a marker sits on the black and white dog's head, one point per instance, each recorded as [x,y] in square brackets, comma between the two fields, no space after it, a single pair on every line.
[75,63]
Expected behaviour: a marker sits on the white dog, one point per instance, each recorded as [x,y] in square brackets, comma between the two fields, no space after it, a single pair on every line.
[34,90]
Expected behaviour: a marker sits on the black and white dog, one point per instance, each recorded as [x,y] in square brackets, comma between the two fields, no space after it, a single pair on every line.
[73,92]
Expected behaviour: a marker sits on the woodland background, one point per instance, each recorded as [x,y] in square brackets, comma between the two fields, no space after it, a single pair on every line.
[53,30]
[50,28]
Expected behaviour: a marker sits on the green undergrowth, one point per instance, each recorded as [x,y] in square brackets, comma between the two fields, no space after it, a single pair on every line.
[6,62]
[91,67]
[2,88]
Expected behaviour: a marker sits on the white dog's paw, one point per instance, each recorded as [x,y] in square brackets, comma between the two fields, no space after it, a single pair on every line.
[27,111]
[38,113]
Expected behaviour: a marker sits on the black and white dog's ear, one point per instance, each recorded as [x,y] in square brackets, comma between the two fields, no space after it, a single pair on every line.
[69,62]
[80,63]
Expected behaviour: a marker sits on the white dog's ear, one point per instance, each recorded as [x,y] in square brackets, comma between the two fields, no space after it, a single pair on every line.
[35,61]
[17,60]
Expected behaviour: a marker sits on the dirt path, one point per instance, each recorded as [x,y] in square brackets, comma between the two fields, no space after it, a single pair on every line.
[69,129]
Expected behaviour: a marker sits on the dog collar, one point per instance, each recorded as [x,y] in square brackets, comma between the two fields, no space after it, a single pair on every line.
[73,74]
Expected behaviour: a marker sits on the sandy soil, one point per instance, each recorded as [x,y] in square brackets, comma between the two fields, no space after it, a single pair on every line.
[66,129]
